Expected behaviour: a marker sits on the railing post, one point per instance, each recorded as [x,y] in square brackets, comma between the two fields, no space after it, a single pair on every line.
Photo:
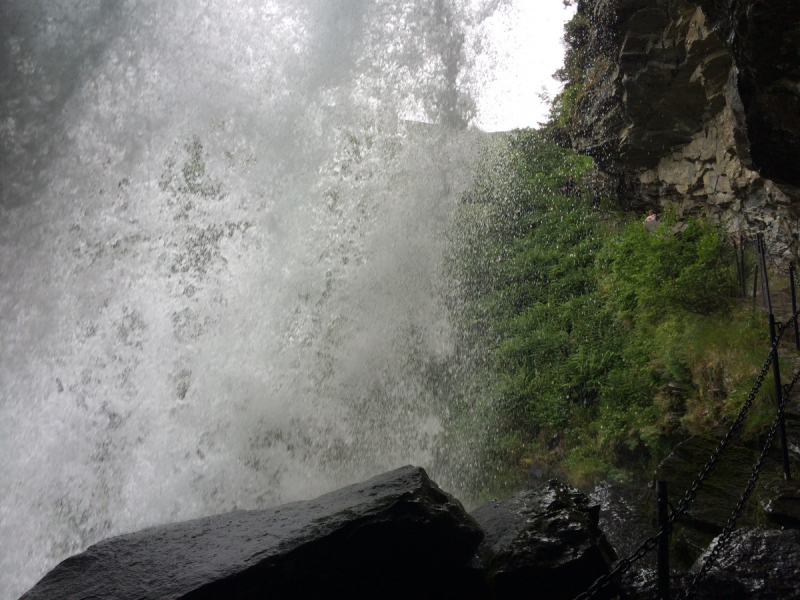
[663,540]
[741,260]
[776,375]
[755,281]
[739,267]
[794,306]
[767,300]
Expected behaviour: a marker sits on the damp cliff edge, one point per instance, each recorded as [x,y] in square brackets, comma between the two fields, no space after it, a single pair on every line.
[694,104]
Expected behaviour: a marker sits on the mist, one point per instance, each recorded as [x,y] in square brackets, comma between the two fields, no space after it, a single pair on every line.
[221,257]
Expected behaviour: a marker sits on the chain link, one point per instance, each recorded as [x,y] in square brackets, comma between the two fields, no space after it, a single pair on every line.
[777,268]
[724,537]
[691,494]
[756,472]
[650,543]
[621,567]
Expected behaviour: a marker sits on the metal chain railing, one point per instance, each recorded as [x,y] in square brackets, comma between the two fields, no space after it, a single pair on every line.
[749,241]
[777,268]
[650,543]
[723,538]
[621,567]
[691,493]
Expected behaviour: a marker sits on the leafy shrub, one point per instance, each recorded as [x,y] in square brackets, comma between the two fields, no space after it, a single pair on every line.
[679,266]
[602,343]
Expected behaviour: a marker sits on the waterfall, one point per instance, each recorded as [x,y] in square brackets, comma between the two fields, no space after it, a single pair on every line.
[221,256]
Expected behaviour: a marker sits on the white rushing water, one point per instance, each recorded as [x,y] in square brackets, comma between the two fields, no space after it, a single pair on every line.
[220,256]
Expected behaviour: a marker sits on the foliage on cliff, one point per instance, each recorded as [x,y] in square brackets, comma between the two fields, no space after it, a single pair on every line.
[606,342]
[577,60]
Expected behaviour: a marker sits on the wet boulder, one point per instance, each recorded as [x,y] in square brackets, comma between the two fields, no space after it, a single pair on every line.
[395,535]
[776,501]
[756,564]
[781,503]
[541,543]
[626,517]
[719,493]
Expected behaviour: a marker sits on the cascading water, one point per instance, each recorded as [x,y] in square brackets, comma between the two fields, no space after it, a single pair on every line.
[220,255]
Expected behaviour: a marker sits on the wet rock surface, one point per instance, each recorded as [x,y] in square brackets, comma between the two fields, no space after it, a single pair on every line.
[398,535]
[774,501]
[626,517]
[782,503]
[544,541]
[756,564]
[720,491]
[395,535]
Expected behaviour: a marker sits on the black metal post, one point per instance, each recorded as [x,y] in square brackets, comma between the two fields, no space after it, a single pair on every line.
[757,246]
[760,268]
[741,260]
[776,375]
[755,281]
[764,281]
[739,269]
[663,540]
[794,306]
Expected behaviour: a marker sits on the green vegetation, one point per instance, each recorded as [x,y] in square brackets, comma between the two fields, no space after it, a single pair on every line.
[577,61]
[606,343]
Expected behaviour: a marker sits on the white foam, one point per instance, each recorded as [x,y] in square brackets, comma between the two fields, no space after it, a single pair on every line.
[219,290]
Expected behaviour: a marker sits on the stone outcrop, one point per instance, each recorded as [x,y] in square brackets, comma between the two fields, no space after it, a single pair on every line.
[544,540]
[774,501]
[396,535]
[713,504]
[755,564]
[626,517]
[696,103]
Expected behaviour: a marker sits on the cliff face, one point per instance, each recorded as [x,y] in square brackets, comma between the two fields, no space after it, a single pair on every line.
[696,103]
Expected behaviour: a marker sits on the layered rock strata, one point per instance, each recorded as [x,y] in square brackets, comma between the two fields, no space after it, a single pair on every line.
[696,104]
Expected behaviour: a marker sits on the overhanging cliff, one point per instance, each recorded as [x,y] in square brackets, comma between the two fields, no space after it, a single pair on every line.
[694,103]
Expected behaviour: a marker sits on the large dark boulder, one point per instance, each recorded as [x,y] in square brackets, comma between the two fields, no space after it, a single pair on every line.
[774,501]
[626,517]
[756,564]
[395,535]
[719,492]
[541,543]
[781,503]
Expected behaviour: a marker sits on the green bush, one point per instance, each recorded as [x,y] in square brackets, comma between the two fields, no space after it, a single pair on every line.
[601,343]
[678,267]
[562,110]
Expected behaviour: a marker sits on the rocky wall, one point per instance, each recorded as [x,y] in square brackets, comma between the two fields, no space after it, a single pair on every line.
[696,104]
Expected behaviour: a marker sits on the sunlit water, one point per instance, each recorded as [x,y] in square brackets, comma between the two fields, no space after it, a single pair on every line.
[220,257]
